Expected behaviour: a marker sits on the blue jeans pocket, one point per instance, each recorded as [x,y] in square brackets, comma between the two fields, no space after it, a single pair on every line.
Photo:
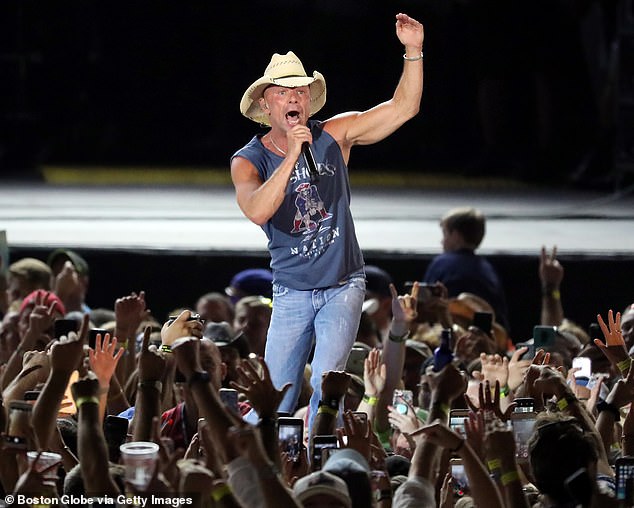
[279,290]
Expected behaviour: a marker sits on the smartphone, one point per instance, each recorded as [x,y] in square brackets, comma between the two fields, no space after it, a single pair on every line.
[400,398]
[523,424]
[544,337]
[115,429]
[19,420]
[356,360]
[625,479]
[92,336]
[524,405]
[290,432]
[65,326]
[426,291]
[457,418]
[459,477]
[321,443]
[361,416]
[483,321]
[530,354]
[585,364]
[229,397]
[192,317]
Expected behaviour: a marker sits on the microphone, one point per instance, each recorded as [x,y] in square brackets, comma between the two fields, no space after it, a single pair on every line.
[310,161]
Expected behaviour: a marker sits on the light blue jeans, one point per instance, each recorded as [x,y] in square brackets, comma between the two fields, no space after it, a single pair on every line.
[328,317]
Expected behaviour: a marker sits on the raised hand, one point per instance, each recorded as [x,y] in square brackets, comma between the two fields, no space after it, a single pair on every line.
[334,384]
[517,368]
[88,386]
[104,358]
[151,363]
[357,432]
[551,273]
[614,348]
[494,369]
[129,312]
[67,354]
[374,374]
[409,31]
[182,326]
[259,389]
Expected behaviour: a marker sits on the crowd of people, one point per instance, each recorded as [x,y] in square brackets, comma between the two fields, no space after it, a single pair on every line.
[495,424]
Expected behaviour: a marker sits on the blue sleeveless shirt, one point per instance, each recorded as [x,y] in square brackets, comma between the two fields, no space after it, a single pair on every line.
[312,241]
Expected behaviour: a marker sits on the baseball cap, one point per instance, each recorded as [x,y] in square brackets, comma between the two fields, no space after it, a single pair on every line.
[321,482]
[251,282]
[377,281]
[78,262]
[352,468]
[222,335]
[33,270]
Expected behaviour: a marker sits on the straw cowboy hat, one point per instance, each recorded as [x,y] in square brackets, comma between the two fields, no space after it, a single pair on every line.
[287,71]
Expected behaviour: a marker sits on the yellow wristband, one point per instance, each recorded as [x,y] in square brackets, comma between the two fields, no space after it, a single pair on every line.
[86,400]
[510,477]
[494,464]
[219,492]
[328,410]
[624,366]
[371,400]
[165,348]
[562,404]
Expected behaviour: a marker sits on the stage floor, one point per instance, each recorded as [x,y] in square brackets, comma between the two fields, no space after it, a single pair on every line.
[405,220]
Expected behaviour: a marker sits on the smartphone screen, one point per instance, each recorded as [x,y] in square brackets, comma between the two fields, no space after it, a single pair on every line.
[585,364]
[523,424]
[229,397]
[625,479]
[320,443]
[544,337]
[524,405]
[290,435]
[457,418]
[400,400]
[459,477]
[19,421]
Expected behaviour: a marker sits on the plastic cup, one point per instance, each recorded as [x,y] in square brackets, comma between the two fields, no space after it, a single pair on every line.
[46,460]
[139,458]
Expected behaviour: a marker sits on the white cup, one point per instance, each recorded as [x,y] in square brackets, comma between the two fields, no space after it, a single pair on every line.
[47,459]
[139,458]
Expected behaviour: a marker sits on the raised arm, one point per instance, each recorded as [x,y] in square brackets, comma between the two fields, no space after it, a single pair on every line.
[380,121]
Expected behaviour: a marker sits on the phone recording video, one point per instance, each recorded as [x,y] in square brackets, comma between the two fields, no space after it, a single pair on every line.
[457,418]
[291,436]
[523,424]
[459,478]
[321,444]
[229,397]
[19,424]
[625,480]
[402,400]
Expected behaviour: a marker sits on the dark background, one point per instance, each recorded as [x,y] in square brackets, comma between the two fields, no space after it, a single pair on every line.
[537,91]
[529,90]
